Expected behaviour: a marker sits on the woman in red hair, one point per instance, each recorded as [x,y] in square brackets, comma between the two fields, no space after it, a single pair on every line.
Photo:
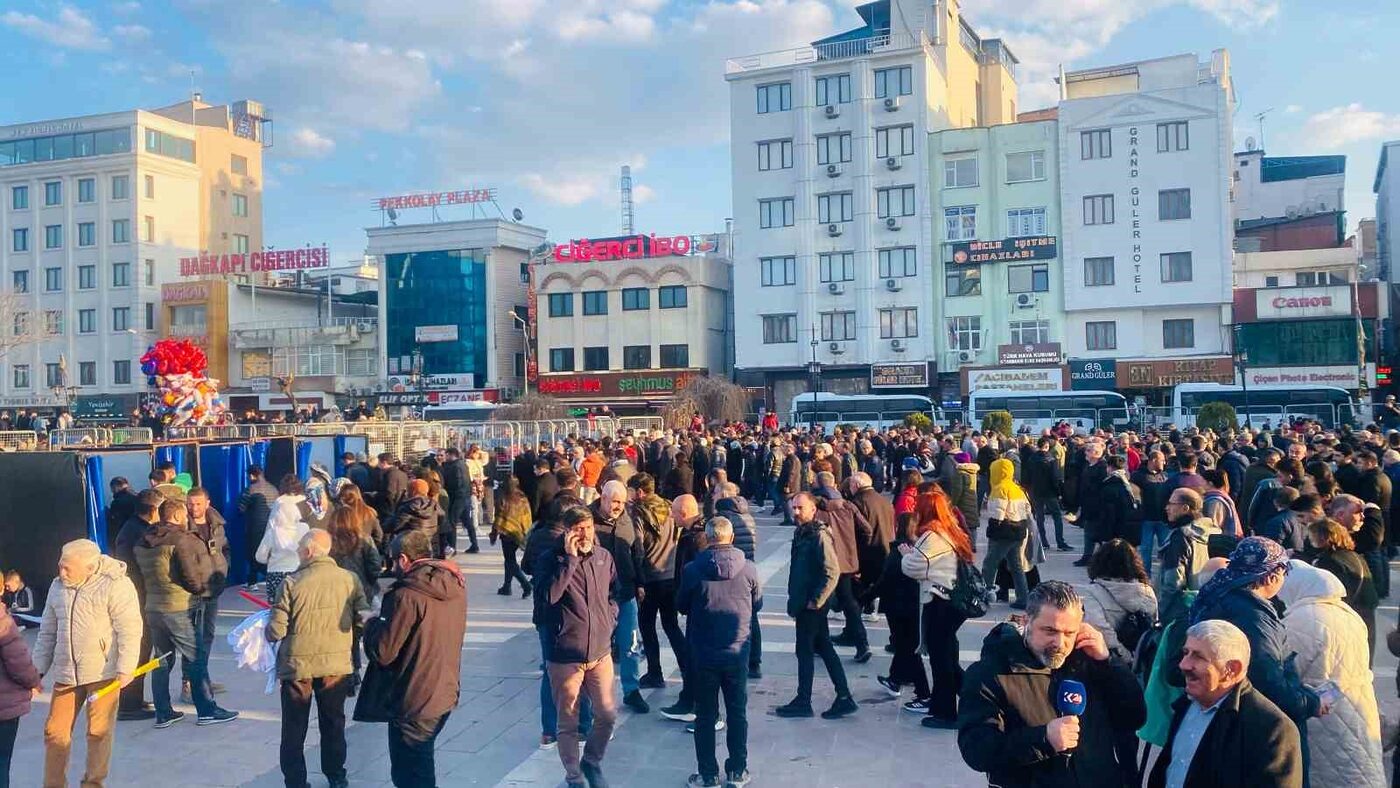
[933,561]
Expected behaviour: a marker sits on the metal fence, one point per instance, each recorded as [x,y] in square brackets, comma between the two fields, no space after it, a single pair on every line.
[123,436]
[19,440]
[78,436]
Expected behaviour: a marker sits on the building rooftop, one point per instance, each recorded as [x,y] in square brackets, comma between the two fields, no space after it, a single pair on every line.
[1273,221]
[1380,165]
[1290,168]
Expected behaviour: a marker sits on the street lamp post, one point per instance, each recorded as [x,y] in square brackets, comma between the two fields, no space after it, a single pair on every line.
[814,370]
[525,330]
[1242,364]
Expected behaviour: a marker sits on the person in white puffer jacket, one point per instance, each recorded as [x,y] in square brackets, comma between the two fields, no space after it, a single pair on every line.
[1329,639]
[286,525]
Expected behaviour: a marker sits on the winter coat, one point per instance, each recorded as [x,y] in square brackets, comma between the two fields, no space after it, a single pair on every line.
[1155,491]
[1042,477]
[414,514]
[393,489]
[813,570]
[256,506]
[718,595]
[314,618]
[1329,639]
[1008,698]
[513,519]
[898,593]
[660,536]
[1120,512]
[1373,486]
[736,510]
[1249,744]
[1181,561]
[1107,604]
[285,528]
[92,632]
[580,604]
[906,501]
[1351,569]
[1287,528]
[849,530]
[543,488]
[1221,508]
[933,564]
[963,492]
[415,645]
[174,568]
[1091,480]
[680,480]
[619,537]
[211,536]
[879,514]
[1253,475]
[364,563]
[18,676]
[790,478]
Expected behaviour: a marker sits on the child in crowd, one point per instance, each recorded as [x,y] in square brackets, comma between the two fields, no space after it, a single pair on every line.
[19,599]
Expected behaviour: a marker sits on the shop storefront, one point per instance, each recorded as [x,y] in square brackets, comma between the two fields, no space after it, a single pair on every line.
[1153,379]
[625,393]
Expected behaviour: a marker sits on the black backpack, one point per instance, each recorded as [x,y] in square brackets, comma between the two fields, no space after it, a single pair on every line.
[1133,627]
[970,595]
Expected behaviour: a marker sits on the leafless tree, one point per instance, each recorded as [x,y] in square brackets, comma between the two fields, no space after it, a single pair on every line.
[531,407]
[16,323]
[715,399]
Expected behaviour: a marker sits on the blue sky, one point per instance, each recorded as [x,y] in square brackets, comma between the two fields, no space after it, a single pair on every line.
[545,99]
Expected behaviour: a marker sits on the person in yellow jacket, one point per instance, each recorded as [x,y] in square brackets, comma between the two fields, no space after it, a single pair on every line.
[511,526]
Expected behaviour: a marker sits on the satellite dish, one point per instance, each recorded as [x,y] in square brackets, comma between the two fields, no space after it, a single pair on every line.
[517,214]
[1249,143]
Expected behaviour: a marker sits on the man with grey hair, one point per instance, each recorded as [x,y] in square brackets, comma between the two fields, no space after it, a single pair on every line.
[314,617]
[871,550]
[1366,522]
[1224,732]
[1010,727]
[719,595]
[735,508]
[615,531]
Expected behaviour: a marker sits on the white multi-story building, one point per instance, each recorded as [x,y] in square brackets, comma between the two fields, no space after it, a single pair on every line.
[1145,169]
[1387,189]
[834,255]
[1287,186]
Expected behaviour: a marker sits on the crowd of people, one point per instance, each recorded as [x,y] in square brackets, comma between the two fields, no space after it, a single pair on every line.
[1222,632]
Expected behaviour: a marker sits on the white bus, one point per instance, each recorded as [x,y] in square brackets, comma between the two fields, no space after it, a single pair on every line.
[1041,410]
[875,410]
[1329,405]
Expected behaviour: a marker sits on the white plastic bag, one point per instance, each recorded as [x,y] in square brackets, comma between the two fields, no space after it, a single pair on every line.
[249,643]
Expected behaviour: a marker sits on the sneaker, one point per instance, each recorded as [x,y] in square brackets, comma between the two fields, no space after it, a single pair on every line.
[548,742]
[634,701]
[526,591]
[891,687]
[737,779]
[755,673]
[938,723]
[916,706]
[652,681]
[889,648]
[843,639]
[166,722]
[131,715]
[1064,548]
[1082,562]
[796,708]
[680,712]
[472,549]
[841,707]
[862,656]
[719,726]
[216,717]
[503,591]
[870,618]
[593,773]
[697,781]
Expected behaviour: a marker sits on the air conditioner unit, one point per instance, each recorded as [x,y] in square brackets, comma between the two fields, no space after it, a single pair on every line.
[892,223]
[832,111]
[966,355]
[836,288]
[897,345]
[891,104]
[893,285]
[1025,301]
[833,170]
[835,348]
[833,230]
[892,163]
[365,328]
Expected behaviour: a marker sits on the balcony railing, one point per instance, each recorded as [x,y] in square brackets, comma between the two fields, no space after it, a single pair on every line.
[836,50]
[307,322]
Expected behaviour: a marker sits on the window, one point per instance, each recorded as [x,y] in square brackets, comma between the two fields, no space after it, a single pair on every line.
[1030,332]
[20,237]
[561,304]
[149,234]
[1316,278]
[87,277]
[899,323]
[121,318]
[634,298]
[151,325]
[121,187]
[121,274]
[87,234]
[595,302]
[965,333]
[240,205]
[777,271]
[1096,144]
[894,141]
[1176,267]
[169,145]
[53,375]
[960,224]
[834,148]
[775,213]
[775,155]
[1172,137]
[897,81]
[20,377]
[834,89]
[53,236]
[238,164]
[898,262]
[53,280]
[895,201]
[1028,278]
[959,173]
[87,189]
[1174,204]
[837,266]
[21,327]
[595,359]
[962,280]
[1179,333]
[150,187]
[839,207]
[121,231]
[675,356]
[20,280]
[1271,281]
[121,372]
[1098,209]
[149,267]
[1021,222]
[779,329]
[1101,335]
[774,98]
[240,243]
[53,193]
[671,297]
[87,373]
[636,357]
[1025,166]
[19,198]
[1098,271]
[838,326]
[561,359]
[53,322]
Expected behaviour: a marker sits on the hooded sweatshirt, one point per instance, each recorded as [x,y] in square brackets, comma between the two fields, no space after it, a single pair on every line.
[417,639]
[718,595]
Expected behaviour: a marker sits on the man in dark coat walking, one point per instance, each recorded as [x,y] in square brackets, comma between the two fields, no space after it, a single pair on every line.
[256,506]
[878,513]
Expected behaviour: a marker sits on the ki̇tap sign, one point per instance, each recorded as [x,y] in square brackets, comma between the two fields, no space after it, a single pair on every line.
[631,247]
[268,260]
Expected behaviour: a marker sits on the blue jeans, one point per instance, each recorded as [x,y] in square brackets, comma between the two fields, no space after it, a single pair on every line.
[175,633]
[549,714]
[708,683]
[1154,537]
[628,642]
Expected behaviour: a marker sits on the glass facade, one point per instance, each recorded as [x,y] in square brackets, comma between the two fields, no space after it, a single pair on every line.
[65,146]
[437,288]
[1328,342]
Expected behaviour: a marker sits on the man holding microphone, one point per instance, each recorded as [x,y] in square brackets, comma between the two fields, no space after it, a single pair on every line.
[1042,705]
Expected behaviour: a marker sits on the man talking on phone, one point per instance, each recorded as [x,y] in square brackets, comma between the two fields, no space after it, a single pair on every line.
[1042,705]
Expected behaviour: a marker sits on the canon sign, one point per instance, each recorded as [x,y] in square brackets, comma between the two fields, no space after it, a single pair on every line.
[1291,303]
[1302,302]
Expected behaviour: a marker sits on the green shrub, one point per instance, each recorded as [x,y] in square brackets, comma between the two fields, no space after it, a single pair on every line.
[1217,416]
[919,421]
[850,428]
[998,421]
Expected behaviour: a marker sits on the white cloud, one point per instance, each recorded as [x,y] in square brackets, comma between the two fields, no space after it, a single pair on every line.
[308,143]
[1293,109]
[566,190]
[643,194]
[71,29]
[126,8]
[1239,13]
[1339,127]
[132,33]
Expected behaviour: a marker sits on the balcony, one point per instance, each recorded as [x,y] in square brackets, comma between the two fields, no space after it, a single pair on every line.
[297,332]
[879,43]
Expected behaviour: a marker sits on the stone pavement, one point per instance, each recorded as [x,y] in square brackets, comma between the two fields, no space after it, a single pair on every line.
[492,737]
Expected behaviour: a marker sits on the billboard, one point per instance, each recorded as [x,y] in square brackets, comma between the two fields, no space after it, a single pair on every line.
[1032,247]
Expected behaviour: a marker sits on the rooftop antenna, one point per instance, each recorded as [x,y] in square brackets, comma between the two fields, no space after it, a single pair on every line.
[627,214]
[1260,118]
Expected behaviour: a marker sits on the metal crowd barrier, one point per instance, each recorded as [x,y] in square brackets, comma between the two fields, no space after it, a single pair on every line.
[77,436]
[19,440]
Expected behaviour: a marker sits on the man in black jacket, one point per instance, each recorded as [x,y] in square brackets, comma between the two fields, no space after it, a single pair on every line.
[1091,479]
[454,483]
[1225,733]
[207,524]
[256,506]
[132,705]
[1044,481]
[122,507]
[544,485]
[393,486]
[612,524]
[1008,724]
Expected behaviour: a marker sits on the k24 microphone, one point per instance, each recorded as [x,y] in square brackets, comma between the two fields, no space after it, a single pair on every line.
[1070,698]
